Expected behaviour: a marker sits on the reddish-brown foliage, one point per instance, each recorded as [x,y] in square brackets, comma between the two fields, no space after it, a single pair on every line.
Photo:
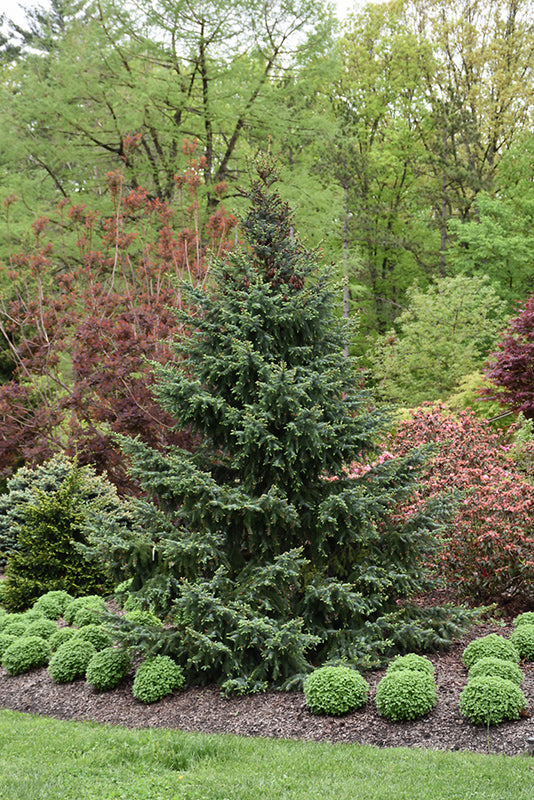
[91,307]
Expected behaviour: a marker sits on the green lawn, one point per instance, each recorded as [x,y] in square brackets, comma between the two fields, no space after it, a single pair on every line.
[43,759]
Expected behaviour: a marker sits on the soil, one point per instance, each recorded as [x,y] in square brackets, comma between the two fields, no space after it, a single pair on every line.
[279,714]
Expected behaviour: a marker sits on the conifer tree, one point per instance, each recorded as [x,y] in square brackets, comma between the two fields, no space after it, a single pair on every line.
[264,552]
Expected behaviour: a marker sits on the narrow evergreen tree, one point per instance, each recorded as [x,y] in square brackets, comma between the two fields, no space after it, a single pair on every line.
[263,551]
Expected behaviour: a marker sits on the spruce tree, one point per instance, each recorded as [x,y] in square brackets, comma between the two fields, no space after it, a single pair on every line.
[263,551]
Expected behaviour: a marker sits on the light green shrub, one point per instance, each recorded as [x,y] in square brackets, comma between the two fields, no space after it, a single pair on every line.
[107,668]
[70,660]
[5,640]
[61,636]
[74,612]
[413,662]
[155,678]
[497,667]
[16,628]
[523,640]
[42,627]
[335,690]
[490,645]
[95,634]
[406,694]
[25,653]
[526,618]
[143,618]
[489,700]
[52,604]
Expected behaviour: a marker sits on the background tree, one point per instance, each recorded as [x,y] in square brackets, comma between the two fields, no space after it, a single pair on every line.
[263,553]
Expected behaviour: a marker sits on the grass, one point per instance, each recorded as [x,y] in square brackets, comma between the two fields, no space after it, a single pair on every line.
[44,759]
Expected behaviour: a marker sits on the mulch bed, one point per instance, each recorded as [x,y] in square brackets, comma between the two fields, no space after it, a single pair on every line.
[279,714]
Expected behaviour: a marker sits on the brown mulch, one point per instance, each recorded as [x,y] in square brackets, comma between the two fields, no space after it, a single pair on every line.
[279,714]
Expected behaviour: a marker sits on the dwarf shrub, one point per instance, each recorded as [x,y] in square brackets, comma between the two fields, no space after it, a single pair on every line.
[490,645]
[144,618]
[25,654]
[526,618]
[72,615]
[335,690]
[107,668]
[61,636]
[5,640]
[406,694]
[497,667]
[42,627]
[155,678]
[16,628]
[95,634]
[7,619]
[70,660]
[489,700]
[523,640]
[52,604]
[413,662]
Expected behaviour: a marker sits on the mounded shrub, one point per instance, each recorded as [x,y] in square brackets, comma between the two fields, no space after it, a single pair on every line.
[5,640]
[61,636]
[526,618]
[143,618]
[16,628]
[155,678]
[42,627]
[107,668]
[489,700]
[406,694]
[335,690]
[91,601]
[523,640]
[95,634]
[70,660]
[413,662]
[497,667]
[52,604]
[7,619]
[25,653]
[490,645]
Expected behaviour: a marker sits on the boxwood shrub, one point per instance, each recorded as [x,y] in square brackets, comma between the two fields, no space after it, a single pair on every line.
[489,700]
[5,640]
[526,618]
[155,678]
[498,667]
[107,668]
[42,627]
[61,636]
[406,694]
[25,653]
[74,613]
[413,662]
[523,640]
[335,690]
[70,660]
[490,645]
[95,634]
[52,604]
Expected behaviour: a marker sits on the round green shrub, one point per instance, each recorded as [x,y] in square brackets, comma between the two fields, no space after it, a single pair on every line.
[61,636]
[42,627]
[490,645]
[53,604]
[90,601]
[16,628]
[523,640]
[526,618]
[155,678]
[335,690]
[489,700]
[70,660]
[406,694]
[5,640]
[7,619]
[95,634]
[107,668]
[25,654]
[143,617]
[497,667]
[413,662]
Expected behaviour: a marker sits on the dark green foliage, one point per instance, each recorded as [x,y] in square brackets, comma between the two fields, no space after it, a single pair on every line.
[52,604]
[412,662]
[490,700]
[107,668]
[92,602]
[497,667]
[335,690]
[155,678]
[523,640]
[490,645]
[264,551]
[44,628]
[47,557]
[25,653]
[5,640]
[70,660]
[406,694]
[61,636]
[95,634]
[527,618]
